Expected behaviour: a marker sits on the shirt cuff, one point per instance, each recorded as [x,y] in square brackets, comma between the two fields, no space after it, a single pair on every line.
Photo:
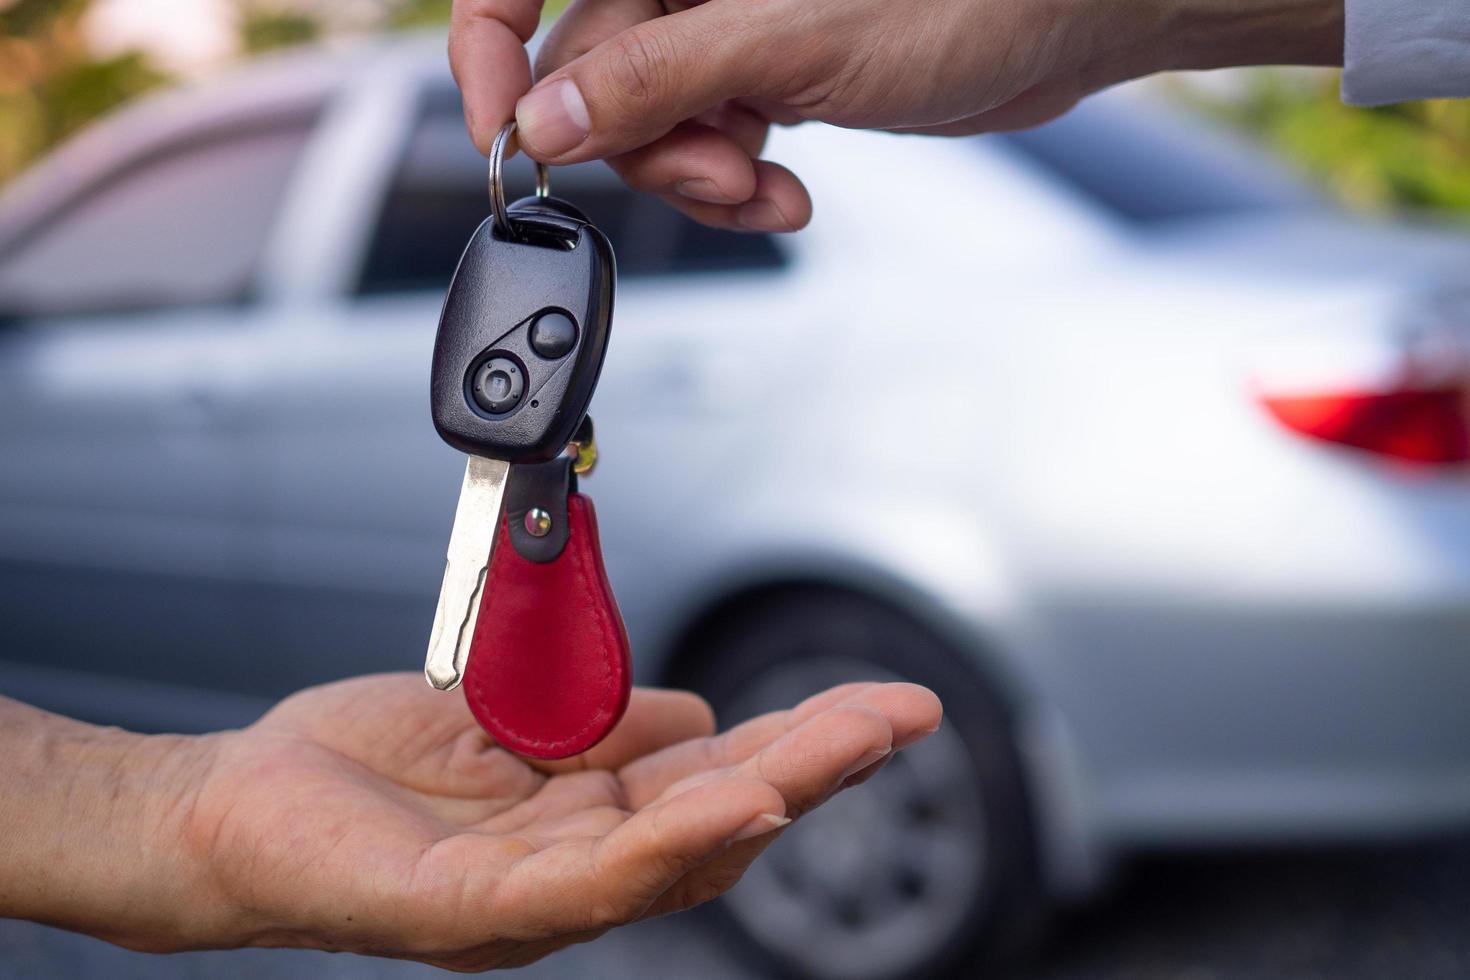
[1400,50]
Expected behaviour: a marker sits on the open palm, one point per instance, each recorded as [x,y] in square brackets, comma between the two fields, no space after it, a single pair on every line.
[374,815]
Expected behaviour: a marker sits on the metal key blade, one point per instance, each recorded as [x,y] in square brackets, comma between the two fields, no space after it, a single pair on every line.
[476,521]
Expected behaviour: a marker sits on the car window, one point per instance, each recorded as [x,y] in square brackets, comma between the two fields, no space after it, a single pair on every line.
[1147,164]
[182,226]
[438,198]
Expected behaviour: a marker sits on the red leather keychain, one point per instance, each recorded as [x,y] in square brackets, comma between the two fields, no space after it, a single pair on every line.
[549,672]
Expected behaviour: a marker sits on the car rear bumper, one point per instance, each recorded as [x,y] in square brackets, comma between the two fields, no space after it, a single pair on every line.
[1197,724]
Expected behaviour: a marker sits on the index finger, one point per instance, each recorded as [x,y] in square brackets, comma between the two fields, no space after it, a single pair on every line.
[487,54]
[912,711]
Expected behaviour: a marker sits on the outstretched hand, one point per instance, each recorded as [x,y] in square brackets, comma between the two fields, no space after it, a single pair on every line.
[374,815]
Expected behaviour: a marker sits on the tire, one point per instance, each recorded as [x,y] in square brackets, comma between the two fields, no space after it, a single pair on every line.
[926,871]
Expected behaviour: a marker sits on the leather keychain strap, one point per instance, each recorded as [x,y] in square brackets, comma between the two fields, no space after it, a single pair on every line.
[549,670]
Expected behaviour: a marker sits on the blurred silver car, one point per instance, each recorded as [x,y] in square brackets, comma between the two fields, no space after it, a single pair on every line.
[1146,459]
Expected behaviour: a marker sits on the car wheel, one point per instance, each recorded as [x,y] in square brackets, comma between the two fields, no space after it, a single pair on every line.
[929,868]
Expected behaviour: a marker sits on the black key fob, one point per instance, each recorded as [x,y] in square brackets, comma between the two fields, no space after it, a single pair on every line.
[523,333]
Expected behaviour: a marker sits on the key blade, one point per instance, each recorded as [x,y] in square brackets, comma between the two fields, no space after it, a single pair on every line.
[476,521]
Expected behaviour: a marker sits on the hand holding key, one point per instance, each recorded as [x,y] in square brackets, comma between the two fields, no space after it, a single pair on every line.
[678,95]
[374,815]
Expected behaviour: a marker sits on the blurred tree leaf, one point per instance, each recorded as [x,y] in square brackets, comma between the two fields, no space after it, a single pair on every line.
[28,18]
[410,14]
[75,94]
[21,129]
[51,84]
[265,28]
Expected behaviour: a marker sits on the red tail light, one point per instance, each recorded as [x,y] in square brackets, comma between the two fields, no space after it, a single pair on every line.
[1401,391]
[1417,425]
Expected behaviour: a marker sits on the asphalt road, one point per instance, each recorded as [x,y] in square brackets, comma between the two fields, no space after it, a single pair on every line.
[1384,913]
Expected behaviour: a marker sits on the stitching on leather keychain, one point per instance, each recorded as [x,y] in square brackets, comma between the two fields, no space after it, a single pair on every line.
[586,581]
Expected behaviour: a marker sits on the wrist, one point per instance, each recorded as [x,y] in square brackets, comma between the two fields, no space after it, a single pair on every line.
[1204,34]
[95,824]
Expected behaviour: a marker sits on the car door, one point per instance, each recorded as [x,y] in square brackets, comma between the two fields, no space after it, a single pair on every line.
[128,353]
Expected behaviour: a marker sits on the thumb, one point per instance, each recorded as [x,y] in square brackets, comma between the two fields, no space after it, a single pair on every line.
[638,85]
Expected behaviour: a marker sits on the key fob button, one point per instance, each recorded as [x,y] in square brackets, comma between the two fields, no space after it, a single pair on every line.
[497,385]
[553,334]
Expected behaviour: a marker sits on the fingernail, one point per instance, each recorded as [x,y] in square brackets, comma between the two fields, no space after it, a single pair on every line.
[702,189]
[552,119]
[863,763]
[863,775]
[916,736]
[763,824]
[762,216]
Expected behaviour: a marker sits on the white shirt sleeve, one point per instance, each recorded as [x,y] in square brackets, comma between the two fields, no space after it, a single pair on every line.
[1399,50]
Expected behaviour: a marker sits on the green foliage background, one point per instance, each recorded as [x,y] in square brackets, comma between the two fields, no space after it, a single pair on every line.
[1409,156]
[1415,155]
[50,84]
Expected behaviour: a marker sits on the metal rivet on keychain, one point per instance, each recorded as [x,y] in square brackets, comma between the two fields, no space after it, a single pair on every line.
[497,179]
[538,522]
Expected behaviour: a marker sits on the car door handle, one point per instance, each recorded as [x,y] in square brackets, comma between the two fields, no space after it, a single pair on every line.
[192,413]
[195,408]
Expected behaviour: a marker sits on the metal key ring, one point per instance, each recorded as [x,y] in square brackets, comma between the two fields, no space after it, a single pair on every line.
[497,178]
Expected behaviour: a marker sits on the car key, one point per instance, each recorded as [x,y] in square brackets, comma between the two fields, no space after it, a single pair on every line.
[521,341]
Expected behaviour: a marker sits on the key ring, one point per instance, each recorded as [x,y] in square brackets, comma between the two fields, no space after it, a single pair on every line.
[497,179]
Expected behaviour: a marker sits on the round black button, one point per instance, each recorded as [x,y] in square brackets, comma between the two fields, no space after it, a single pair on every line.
[553,334]
[498,385]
